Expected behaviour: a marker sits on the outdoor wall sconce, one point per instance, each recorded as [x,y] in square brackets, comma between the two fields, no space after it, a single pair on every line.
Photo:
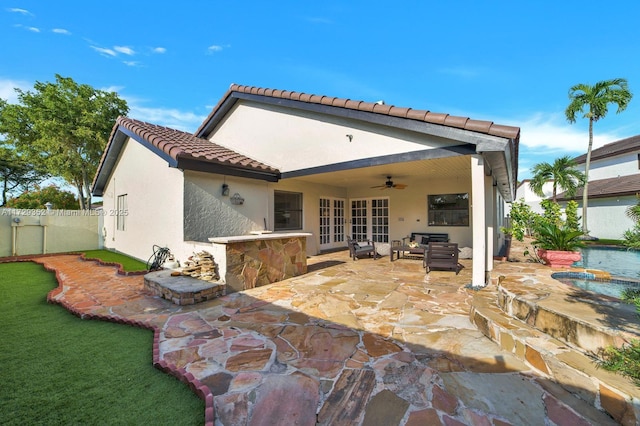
[225,190]
[237,199]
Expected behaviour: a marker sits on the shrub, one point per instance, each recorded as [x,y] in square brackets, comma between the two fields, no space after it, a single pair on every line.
[625,360]
[551,236]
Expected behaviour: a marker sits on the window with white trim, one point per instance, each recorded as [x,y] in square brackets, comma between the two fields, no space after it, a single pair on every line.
[121,212]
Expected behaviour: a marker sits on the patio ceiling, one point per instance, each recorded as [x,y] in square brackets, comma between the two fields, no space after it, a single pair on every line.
[442,168]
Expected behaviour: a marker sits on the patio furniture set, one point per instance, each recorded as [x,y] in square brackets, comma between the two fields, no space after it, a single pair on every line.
[434,249]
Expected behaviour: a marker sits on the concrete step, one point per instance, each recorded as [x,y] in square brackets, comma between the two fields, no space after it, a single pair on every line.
[565,365]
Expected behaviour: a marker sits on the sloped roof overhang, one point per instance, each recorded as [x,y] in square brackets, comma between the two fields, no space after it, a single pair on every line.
[500,152]
[183,162]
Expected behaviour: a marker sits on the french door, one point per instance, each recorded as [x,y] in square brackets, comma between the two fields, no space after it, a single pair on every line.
[332,223]
[370,219]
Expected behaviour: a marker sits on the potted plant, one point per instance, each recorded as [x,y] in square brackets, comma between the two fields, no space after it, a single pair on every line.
[558,245]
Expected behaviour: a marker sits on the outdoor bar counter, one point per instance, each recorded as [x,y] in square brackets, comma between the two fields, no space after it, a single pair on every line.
[262,258]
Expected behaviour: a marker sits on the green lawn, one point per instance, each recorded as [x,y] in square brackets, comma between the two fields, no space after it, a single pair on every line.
[56,369]
[129,264]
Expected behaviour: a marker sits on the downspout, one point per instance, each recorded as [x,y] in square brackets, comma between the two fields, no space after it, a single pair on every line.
[13,238]
[44,239]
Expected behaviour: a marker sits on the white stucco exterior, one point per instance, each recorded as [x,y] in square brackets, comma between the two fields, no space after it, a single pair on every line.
[295,140]
[154,203]
[317,155]
[620,165]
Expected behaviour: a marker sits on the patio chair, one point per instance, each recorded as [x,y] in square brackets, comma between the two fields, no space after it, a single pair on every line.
[358,248]
[442,256]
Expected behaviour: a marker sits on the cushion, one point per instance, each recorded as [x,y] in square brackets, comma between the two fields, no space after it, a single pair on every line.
[425,240]
[356,246]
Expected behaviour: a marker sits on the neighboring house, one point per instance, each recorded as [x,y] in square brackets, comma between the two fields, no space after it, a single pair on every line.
[308,163]
[614,181]
[525,193]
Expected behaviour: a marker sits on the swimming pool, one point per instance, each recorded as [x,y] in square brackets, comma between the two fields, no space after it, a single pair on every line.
[586,281]
[619,262]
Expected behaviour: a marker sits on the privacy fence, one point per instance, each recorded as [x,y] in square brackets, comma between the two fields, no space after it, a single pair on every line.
[28,232]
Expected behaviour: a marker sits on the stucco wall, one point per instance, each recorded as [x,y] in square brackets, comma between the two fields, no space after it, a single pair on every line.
[42,231]
[408,207]
[606,218]
[154,203]
[294,139]
[207,213]
[621,165]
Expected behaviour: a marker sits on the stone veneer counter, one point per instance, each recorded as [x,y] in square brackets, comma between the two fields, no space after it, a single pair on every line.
[257,260]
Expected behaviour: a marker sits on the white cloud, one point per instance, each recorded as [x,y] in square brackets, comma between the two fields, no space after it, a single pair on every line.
[7,89]
[115,89]
[159,50]
[20,11]
[552,132]
[33,29]
[131,63]
[124,50]
[104,51]
[169,117]
[215,48]
[61,31]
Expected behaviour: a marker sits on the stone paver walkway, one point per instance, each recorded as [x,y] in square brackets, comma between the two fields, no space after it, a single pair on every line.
[365,342]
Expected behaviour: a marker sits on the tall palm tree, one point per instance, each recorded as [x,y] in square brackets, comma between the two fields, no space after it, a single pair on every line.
[593,102]
[562,172]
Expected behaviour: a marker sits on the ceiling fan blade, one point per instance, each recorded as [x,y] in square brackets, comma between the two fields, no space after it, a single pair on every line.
[400,186]
[379,186]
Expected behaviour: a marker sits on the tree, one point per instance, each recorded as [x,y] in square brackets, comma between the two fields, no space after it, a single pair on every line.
[593,102]
[63,127]
[16,173]
[562,172]
[38,198]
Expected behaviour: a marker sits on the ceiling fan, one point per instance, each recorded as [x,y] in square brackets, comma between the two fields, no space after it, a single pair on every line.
[389,184]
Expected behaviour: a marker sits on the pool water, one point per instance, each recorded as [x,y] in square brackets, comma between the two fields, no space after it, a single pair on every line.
[618,262]
[612,288]
[622,264]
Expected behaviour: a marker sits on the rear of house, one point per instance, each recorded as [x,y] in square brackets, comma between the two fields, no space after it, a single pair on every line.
[288,162]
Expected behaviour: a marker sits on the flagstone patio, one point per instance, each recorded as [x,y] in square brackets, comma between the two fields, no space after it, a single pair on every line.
[351,342]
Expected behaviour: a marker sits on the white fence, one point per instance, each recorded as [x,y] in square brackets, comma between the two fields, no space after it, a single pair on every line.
[27,232]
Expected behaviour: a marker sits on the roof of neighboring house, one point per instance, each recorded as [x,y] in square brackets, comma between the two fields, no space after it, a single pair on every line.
[610,187]
[612,149]
[466,123]
[179,149]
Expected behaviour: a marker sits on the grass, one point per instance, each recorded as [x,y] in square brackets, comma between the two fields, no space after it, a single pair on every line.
[58,369]
[129,264]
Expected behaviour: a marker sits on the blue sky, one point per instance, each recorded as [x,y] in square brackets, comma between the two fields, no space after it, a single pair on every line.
[509,62]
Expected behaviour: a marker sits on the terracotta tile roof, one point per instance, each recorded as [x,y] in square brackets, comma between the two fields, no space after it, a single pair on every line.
[611,187]
[182,145]
[466,123]
[622,146]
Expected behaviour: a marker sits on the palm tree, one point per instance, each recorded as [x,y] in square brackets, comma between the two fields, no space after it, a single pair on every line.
[562,172]
[595,100]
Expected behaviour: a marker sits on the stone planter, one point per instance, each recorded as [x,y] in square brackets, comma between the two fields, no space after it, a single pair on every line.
[559,259]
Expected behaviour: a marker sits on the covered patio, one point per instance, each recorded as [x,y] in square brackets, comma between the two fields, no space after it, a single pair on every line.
[357,342]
